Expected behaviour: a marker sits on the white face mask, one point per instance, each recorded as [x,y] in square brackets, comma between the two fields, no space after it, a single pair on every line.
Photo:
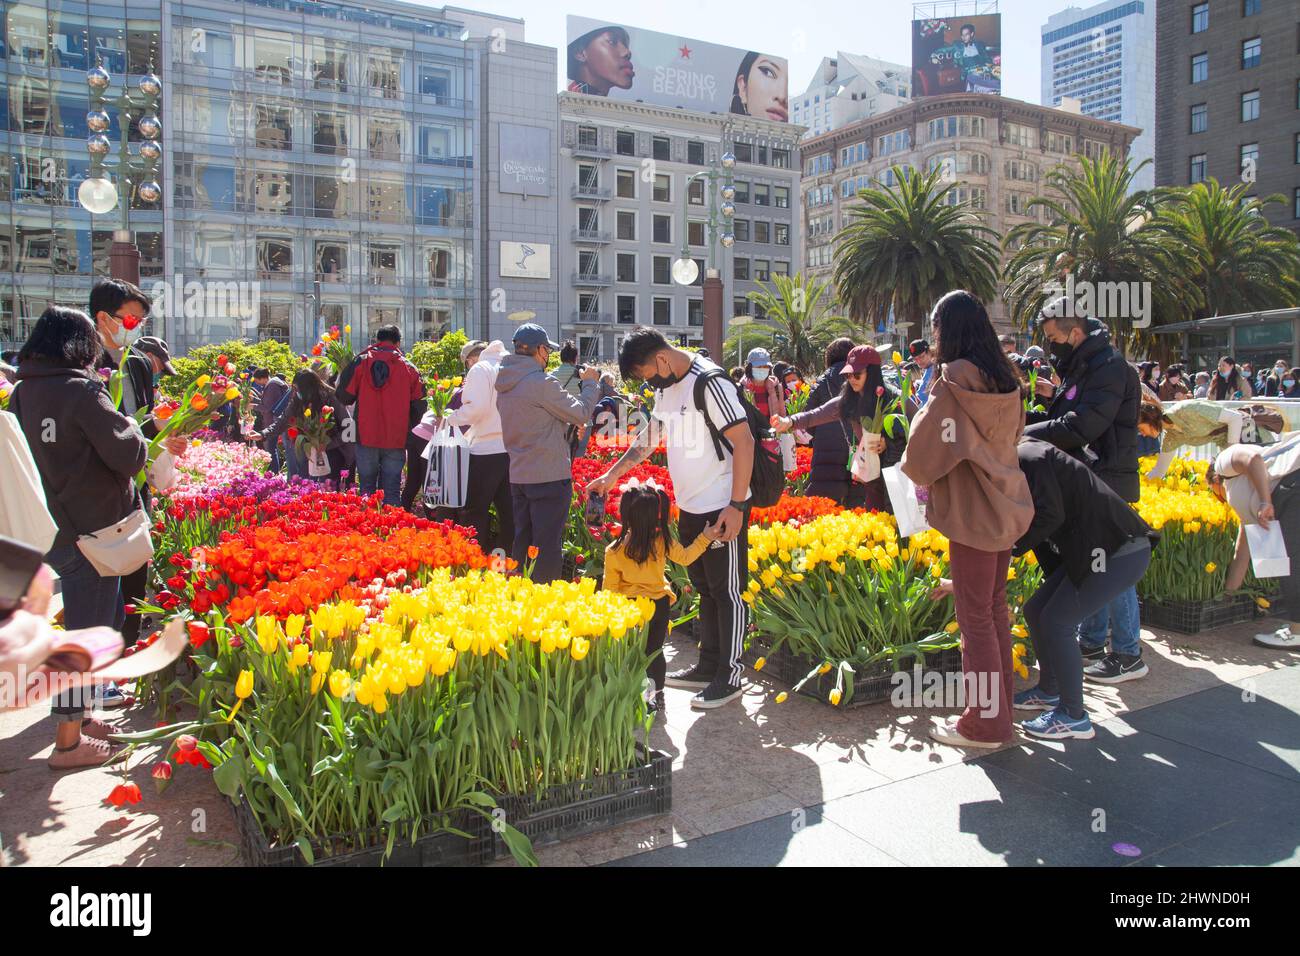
[760,374]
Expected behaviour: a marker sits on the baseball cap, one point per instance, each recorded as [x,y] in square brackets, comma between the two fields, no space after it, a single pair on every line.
[152,345]
[1034,352]
[860,358]
[918,347]
[469,348]
[530,333]
[758,357]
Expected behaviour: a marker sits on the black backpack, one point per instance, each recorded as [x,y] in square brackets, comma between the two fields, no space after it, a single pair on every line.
[767,480]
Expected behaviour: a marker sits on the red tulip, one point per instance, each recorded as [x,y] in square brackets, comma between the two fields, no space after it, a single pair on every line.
[128,609]
[199,633]
[880,390]
[131,322]
[162,771]
[186,742]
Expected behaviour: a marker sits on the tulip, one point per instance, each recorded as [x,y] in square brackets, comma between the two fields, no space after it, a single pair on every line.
[836,696]
[198,403]
[760,663]
[162,771]
[268,636]
[243,690]
[532,552]
[202,381]
[340,683]
[232,393]
[131,322]
[199,633]
[221,359]
[186,742]
[782,697]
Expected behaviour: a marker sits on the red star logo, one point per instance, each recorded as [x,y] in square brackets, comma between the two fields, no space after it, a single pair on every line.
[685,51]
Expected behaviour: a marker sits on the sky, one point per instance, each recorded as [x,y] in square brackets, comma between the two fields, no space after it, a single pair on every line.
[879,28]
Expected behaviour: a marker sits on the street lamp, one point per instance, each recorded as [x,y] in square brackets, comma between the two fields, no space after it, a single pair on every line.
[97,194]
[685,270]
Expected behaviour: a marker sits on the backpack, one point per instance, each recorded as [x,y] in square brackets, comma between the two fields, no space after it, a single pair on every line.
[767,480]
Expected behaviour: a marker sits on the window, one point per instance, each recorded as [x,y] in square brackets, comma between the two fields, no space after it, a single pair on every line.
[626,305]
[625,143]
[588,178]
[740,307]
[588,219]
[762,231]
[1016,134]
[740,229]
[663,274]
[695,193]
[663,311]
[660,147]
[1250,50]
[625,267]
[626,183]
[762,270]
[1297,149]
[588,307]
[1196,170]
[1018,203]
[330,133]
[780,158]
[695,233]
[781,234]
[1200,17]
[695,153]
[626,225]
[1059,142]
[662,229]
[695,312]
[435,82]
[1021,171]
[663,191]
[1249,161]
[947,127]
[1249,8]
[781,197]
[1200,67]
[742,191]
[744,152]
[762,194]
[1250,106]
[1200,117]
[740,268]
[1295,212]
[587,137]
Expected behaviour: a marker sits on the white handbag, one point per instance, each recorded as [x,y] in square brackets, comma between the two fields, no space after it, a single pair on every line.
[788,461]
[120,548]
[24,515]
[865,465]
[907,507]
[446,482]
[162,471]
[318,463]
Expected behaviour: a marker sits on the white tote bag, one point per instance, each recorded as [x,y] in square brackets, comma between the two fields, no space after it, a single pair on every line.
[162,471]
[1268,557]
[23,512]
[318,463]
[788,461]
[908,510]
[446,483]
[865,465]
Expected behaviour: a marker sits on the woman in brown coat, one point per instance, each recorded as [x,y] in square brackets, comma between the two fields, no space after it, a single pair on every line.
[963,446]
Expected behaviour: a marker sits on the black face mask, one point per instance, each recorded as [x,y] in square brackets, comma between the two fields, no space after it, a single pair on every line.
[1062,352]
[662,381]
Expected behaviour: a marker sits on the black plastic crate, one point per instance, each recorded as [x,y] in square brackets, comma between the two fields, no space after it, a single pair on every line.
[587,806]
[366,847]
[1277,606]
[871,685]
[1193,617]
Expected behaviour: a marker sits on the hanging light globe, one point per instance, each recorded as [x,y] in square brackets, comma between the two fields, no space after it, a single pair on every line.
[97,121]
[97,196]
[149,191]
[150,150]
[150,126]
[98,145]
[728,160]
[728,239]
[727,209]
[98,79]
[150,85]
[728,192]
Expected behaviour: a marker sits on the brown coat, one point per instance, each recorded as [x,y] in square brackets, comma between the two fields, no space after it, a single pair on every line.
[963,446]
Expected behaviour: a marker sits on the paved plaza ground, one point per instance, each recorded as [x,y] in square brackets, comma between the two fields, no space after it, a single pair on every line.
[1196,765]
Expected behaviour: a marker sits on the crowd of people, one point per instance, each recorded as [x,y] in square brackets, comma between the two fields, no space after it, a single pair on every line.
[998,479]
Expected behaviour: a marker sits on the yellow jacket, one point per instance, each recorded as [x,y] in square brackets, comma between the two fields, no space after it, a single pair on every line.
[648,580]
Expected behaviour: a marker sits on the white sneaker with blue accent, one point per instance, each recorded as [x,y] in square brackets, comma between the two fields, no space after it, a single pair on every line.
[1059,725]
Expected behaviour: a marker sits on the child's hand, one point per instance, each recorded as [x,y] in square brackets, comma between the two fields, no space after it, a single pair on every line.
[942,590]
[712,531]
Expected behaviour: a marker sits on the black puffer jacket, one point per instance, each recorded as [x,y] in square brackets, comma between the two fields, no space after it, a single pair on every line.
[1094,413]
[830,446]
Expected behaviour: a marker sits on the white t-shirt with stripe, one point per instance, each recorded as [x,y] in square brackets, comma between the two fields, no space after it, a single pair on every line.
[701,482]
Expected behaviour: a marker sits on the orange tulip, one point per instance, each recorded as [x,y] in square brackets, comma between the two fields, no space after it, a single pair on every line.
[199,403]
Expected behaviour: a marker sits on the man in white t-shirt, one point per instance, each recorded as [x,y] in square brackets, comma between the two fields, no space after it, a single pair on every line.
[1262,484]
[711,483]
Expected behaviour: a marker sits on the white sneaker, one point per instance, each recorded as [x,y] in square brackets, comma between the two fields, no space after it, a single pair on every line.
[1281,638]
[947,733]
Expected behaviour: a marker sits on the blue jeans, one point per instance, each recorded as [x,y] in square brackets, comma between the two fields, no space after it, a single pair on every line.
[88,601]
[381,467]
[1121,614]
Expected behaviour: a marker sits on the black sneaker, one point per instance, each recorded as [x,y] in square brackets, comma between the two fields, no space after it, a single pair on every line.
[715,695]
[691,677]
[656,706]
[1116,669]
[1092,655]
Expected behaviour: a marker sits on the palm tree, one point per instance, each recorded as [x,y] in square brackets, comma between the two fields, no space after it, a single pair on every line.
[1099,231]
[795,320]
[1241,263]
[907,244]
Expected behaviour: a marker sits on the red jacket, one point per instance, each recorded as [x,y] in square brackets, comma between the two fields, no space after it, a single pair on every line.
[384,385]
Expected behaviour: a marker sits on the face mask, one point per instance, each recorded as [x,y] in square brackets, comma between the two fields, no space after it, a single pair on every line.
[1224,375]
[1288,382]
[157,377]
[1061,351]
[661,381]
[760,374]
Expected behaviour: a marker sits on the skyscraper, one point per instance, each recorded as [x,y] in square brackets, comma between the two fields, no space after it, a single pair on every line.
[1104,56]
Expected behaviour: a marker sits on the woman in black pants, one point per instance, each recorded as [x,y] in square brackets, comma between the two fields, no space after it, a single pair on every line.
[1091,546]
[829,473]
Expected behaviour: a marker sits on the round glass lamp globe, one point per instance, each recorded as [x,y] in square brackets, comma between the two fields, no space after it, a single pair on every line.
[97,196]
[685,271]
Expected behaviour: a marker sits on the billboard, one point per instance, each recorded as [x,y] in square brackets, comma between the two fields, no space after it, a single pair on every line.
[525,260]
[525,159]
[957,55]
[627,63]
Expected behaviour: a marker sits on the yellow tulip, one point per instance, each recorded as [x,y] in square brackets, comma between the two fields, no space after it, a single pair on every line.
[232,393]
[951,627]
[782,697]
[1211,568]
[293,625]
[300,655]
[244,684]
[322,659]
[1020,631]
[579,647]
[1263,603]
[306,412]
[202,381]
[268,634]
[340,683]
[898,358]
[825,668]
[836,697]
[760,663]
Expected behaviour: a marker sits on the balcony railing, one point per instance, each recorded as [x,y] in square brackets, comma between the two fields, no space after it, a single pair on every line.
[588,192]
[591,149]
[589,235]
[591,279]
[591,318]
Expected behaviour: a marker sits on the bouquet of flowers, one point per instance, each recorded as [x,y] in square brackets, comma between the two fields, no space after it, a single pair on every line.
[336,349]
[185,416]
[440,391]
[314,433]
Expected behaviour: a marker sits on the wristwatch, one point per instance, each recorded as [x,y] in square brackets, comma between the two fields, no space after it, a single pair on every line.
[738,505]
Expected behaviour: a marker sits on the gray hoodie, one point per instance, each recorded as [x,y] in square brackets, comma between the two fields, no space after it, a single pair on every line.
[535,411]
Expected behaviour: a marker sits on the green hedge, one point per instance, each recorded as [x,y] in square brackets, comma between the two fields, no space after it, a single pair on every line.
[275,356]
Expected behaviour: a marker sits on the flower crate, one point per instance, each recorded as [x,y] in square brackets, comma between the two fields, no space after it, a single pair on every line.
[871,685]
[1193,617]
[575,809]
[430,849]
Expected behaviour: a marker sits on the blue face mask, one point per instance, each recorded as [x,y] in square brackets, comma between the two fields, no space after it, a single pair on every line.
[1223,375]
[157,377]
[760,374]
[1288,382]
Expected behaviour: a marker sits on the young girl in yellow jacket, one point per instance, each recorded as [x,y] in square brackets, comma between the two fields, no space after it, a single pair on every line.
[635,562]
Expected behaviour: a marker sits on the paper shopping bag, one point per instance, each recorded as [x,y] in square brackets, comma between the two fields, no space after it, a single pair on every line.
[908,510]
[446,484]
[1268,555]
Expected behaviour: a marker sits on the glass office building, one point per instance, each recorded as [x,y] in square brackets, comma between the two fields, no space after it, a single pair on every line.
[318,164]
